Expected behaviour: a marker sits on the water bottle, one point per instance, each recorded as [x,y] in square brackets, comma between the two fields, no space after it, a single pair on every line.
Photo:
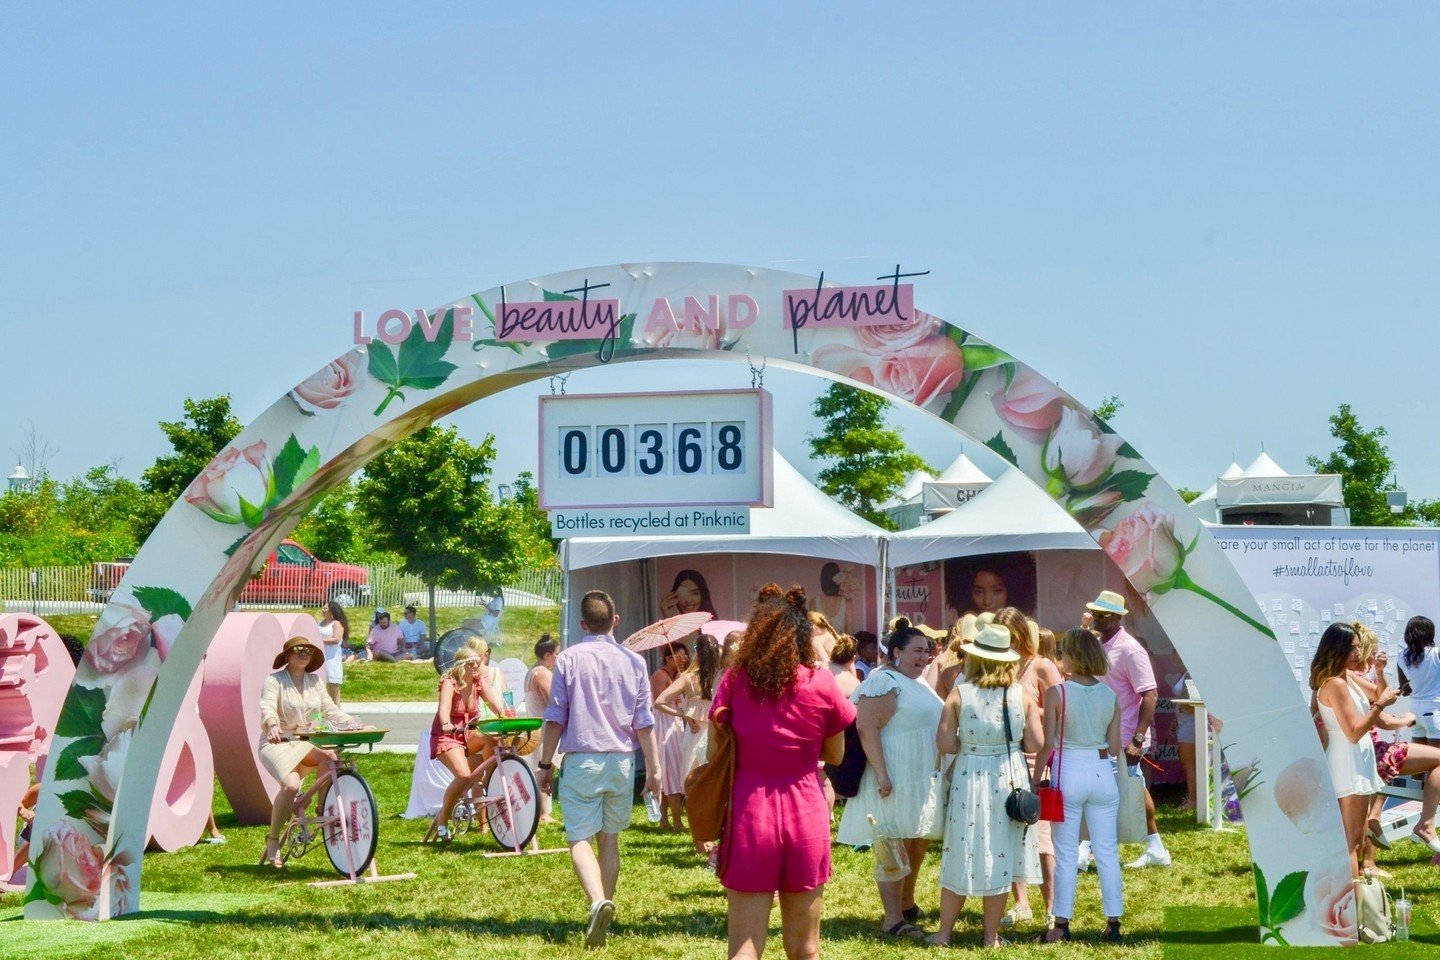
[1402,917]
[652,807]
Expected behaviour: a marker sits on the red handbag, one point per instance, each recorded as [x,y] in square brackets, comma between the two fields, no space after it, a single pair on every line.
[1052,800]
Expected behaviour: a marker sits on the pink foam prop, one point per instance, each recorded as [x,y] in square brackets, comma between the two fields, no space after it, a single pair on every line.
[236,665]
[179,812]
[37,673]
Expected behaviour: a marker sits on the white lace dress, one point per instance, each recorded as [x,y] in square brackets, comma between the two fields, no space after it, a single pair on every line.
[985,851]
[909,744]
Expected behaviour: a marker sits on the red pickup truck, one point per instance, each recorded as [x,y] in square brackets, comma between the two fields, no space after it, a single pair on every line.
[291,577]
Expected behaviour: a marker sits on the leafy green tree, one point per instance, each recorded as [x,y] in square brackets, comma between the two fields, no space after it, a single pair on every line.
[1188,495]
[1109,407]
[1363,460]
[525,503]
[869,458]
[208,425]
[428,500]
[335,529]
[82,521]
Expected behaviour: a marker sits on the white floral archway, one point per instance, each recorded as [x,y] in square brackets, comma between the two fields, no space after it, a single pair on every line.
[153,634]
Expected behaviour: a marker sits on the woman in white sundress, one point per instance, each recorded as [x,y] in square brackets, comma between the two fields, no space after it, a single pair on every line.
[688,699]
[897,713]
[985,851]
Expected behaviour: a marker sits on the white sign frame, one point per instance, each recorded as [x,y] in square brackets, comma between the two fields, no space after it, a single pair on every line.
[576,473]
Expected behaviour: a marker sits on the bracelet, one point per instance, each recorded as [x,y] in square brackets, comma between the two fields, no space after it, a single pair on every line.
[545,765]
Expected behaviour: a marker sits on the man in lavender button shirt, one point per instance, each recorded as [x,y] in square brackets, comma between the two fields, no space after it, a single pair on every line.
[599,713]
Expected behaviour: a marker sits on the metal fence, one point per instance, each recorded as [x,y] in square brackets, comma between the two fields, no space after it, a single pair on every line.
[85,588]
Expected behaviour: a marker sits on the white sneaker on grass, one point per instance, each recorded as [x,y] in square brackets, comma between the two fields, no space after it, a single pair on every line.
[1150,858]
[601,913]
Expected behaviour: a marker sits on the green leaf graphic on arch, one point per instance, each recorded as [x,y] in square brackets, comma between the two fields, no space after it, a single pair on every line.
[291,468]
[420,364]
[1279,906]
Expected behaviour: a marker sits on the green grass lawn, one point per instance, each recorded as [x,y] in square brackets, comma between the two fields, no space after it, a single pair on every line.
[215,902]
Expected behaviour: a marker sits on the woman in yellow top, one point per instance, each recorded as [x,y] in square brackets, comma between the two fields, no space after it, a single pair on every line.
[292,698]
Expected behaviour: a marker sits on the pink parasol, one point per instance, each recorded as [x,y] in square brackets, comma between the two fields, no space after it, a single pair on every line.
[666,631]
[720,629]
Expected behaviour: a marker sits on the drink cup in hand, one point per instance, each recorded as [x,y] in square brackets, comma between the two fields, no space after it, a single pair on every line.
[652,807]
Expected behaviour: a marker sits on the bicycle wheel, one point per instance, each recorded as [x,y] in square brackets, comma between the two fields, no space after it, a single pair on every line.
[514,777]
[354,847]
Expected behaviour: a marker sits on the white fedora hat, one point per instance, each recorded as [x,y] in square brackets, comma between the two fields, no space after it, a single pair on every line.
[1108,602]
[991,643]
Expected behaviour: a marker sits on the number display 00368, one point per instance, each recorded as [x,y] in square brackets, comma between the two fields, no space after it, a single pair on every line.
[685,449]
[673,449]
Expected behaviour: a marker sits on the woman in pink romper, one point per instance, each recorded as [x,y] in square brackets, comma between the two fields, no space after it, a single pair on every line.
[782,711]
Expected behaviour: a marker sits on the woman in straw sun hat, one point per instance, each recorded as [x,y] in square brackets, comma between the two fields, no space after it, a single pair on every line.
[292,695]
[984,850]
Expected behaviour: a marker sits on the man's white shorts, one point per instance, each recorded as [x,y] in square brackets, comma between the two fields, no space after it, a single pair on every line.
[597,792]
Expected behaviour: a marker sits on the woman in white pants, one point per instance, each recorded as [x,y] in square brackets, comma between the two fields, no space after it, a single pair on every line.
[1082,742]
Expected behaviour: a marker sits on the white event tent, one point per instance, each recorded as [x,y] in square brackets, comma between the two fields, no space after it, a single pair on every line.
[1011,514]
[804,522]
[1266,493]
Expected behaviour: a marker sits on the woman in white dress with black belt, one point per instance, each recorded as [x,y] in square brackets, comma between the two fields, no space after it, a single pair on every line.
[985,851]
[1346,719]
[334,629]
[897,714]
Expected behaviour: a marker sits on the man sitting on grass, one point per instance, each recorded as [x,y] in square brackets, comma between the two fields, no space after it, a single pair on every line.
[417,637]
[386,642]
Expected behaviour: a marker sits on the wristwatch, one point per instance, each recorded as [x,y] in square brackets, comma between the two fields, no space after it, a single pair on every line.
[1138,740]
[545,765]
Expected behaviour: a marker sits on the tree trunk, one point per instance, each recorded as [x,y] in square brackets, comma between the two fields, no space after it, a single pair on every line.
[434,637]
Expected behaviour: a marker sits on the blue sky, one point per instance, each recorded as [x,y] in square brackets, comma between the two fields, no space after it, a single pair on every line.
[1225,213]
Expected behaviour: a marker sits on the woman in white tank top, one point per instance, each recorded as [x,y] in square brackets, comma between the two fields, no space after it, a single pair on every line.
[1346,719]
[1082,744]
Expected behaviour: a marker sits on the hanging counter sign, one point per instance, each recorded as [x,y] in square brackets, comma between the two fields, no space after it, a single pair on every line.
[649,455]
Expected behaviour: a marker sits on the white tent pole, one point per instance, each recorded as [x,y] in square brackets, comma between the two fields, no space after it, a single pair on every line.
[564,593]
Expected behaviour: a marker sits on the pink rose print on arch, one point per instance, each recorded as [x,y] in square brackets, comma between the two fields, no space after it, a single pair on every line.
[882,341]
[133,622]
[68,870]
[1030,403]
[242,486]
[329,387]
[1145,547]
[923,372]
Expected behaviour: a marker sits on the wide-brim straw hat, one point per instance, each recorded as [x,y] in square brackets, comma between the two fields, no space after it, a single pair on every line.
[317,656]
[1108,602]
[931,632]
[992,643]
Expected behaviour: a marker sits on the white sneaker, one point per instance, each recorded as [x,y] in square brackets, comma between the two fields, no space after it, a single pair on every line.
[1017,915]
[1150,858]
[601,913]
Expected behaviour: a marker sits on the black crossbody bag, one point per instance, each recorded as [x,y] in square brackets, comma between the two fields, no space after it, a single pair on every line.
[1023,805]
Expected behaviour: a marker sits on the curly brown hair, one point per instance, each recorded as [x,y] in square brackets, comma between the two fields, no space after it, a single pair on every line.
[777,641]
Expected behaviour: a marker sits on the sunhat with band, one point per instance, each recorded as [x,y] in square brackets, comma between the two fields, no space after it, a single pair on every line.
[317,656]
[991,643]
[1108,602]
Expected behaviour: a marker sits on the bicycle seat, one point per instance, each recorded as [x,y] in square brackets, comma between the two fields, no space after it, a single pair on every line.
[508,726]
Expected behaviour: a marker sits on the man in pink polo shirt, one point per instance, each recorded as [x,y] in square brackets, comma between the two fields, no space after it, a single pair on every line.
[599,714]
[1133,679]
